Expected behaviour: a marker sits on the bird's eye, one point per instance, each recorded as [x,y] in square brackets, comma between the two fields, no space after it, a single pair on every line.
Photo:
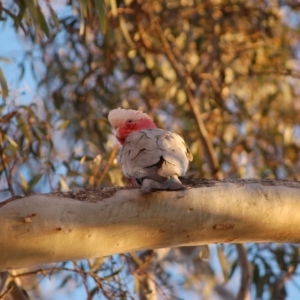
[129,121]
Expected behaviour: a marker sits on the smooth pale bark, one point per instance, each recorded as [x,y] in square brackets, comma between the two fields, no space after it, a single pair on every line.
[87,224]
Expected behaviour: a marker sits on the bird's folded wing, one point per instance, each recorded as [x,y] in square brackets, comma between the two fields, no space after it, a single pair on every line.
[154,153]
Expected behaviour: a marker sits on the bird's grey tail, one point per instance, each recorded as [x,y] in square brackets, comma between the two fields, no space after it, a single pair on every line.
[150,185]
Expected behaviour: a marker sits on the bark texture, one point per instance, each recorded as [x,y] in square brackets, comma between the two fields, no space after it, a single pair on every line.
[92,223]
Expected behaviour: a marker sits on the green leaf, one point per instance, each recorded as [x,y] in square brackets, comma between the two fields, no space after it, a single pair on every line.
[136,283]
[100,6]
[83,14]
[111,276]
[37,16]
[73,173]
[233,267]
[66,164]
[23,183]
[96,264]
[204,252]
[34,181]
[23,127]
[42,22]
[54,16]
[64,124]
[3,84]
[11,141]
[65,281]
[52,167]
[86,158]
[223,263]
[32,8]
[93,291]
[63,184]
[5,59]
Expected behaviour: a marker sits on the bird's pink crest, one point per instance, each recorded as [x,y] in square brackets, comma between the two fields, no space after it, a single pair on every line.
[120,116]
[125,121]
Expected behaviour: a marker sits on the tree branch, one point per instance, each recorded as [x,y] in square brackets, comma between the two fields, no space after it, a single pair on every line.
[93,223]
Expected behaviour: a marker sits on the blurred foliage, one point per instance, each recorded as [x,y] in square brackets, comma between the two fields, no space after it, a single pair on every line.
[222,73]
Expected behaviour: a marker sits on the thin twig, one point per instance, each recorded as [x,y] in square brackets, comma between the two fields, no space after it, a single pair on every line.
[14,17]
[9,288]
[4,276]
[84,281]
[212,80]
[185,80]
[109,163]
[208,146]
[246,278]
[17,291]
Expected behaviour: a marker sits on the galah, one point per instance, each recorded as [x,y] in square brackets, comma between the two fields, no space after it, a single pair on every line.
[151,157]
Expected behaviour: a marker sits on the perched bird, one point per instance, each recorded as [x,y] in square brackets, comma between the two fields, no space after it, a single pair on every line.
[151,157]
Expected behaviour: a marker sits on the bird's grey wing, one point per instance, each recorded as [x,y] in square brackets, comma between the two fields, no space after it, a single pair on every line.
[140,155]
[175,153]
[155,154]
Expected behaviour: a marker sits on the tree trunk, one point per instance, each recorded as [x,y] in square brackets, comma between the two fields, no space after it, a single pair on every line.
[92,223]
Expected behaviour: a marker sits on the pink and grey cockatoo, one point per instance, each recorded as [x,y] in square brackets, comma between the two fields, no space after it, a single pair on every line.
[151,157]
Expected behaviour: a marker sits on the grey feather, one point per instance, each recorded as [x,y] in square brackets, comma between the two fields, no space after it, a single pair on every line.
[155,158]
